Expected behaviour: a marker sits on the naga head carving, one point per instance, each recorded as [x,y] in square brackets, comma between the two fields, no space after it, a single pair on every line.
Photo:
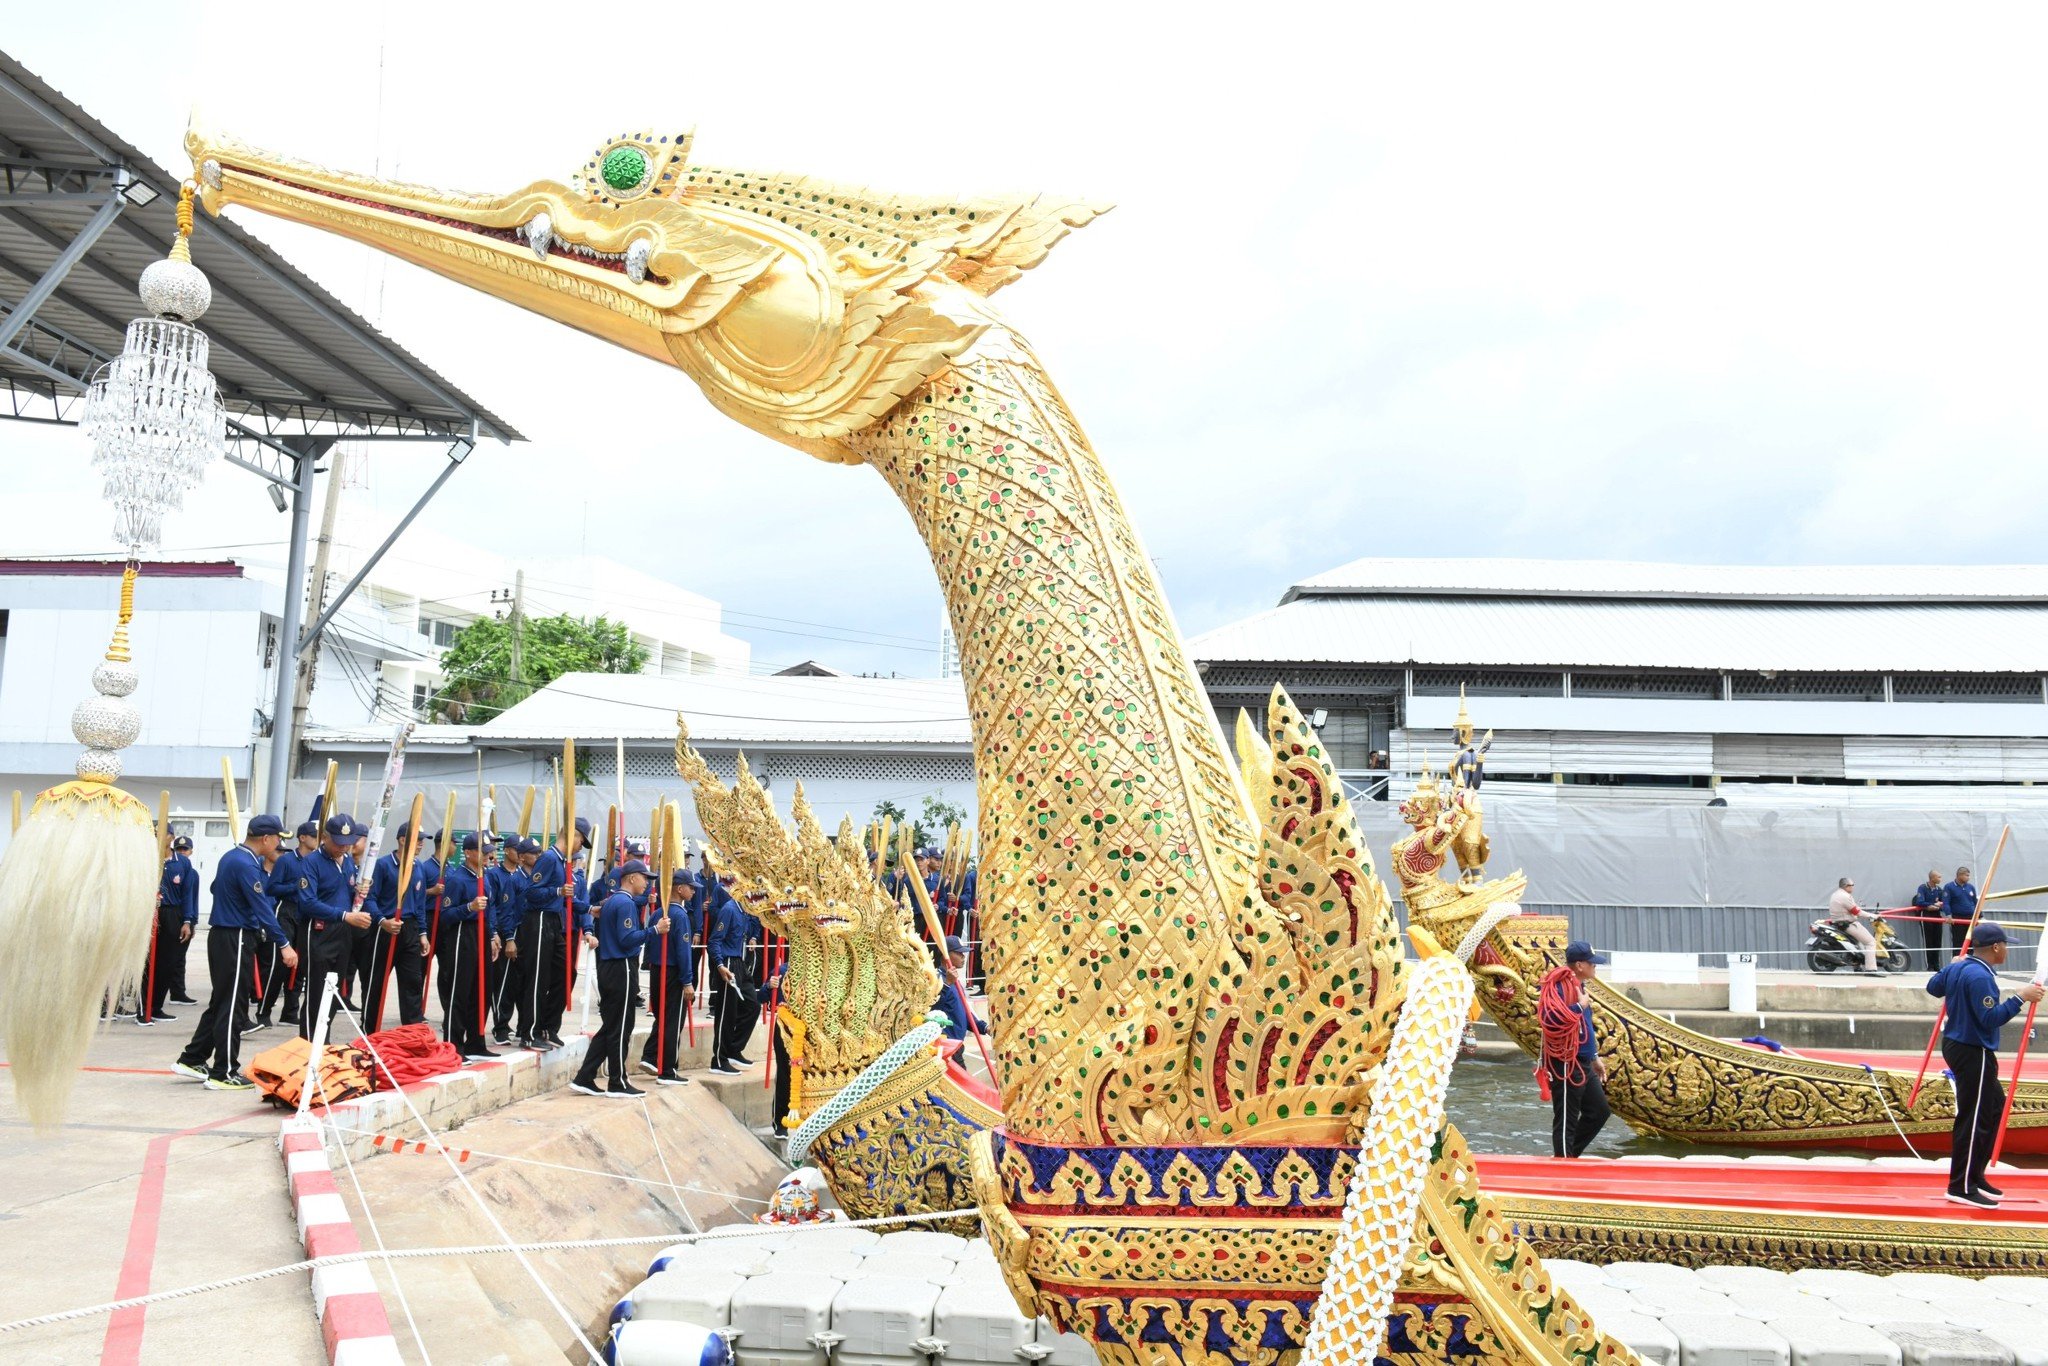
[856,974]
[804,309]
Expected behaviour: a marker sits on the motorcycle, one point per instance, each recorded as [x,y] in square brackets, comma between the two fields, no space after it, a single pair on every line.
[1829,947]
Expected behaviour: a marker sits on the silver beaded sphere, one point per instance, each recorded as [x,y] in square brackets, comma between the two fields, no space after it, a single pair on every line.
[115,680]
[106,723]
[175,289]
[99,765]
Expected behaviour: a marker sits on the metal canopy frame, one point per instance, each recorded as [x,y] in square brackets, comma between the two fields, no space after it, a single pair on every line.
[81,213]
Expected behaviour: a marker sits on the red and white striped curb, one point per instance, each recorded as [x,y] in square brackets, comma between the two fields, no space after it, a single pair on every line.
[353,1323]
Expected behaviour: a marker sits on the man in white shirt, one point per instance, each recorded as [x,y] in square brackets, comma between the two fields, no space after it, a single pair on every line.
[1843,910]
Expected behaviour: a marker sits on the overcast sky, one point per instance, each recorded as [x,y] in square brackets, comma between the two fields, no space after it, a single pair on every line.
[1751,283]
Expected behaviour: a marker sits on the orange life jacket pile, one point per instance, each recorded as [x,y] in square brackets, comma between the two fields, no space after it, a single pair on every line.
[280,1072]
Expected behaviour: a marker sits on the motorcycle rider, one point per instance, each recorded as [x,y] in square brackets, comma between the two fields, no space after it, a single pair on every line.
[1843,911]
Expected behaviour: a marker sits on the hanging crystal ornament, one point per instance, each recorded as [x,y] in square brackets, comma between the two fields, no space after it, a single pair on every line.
[154,413]
[77,885]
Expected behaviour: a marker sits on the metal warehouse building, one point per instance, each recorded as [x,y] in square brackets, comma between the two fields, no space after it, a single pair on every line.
[1722,741]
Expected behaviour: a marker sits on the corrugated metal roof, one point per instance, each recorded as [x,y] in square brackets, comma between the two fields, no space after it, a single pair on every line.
[1636,579]
[775,709]
[286,352]
[1632,634]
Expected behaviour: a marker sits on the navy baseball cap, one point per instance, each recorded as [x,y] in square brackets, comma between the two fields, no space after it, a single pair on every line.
[473,840]
[583,826]
[529,845]
[636,848]
[1579,951]
[182,842]
[682,877]
[953,945]
[309,828]
[1987,932]
[633,866]
[265,825]
[342,829]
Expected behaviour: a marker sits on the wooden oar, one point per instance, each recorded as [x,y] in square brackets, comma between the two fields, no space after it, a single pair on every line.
[227,782]
[937,931]
[2019,1062]
[1941,1015]
[568,874]
[657,848]
[412,842]
[163,856]
[441,857]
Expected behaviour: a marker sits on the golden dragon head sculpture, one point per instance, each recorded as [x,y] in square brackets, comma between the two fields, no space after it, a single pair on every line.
[805,309]
[856,975]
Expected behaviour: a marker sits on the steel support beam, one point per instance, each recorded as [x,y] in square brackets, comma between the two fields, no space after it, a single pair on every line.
[283,742]
[42,289]
[457,453]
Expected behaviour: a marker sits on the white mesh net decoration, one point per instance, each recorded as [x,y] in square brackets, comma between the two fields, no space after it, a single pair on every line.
[153,413]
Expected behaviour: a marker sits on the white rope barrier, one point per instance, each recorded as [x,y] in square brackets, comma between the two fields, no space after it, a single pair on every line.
[377,1234]
[475,1250]
[462,1179]
[728,1196]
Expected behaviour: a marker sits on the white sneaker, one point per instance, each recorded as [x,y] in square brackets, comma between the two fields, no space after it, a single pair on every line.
[188,1071]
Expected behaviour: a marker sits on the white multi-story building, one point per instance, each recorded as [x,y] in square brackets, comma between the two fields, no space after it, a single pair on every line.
[429,586]
[206,638]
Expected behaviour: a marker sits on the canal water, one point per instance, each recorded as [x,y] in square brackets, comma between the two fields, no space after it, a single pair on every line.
[1495,1105]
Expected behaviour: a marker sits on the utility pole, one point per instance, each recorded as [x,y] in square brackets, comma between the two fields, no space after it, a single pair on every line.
[316,593]
[518,626]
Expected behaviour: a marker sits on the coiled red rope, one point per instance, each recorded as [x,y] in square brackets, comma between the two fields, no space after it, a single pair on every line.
[1564,1028]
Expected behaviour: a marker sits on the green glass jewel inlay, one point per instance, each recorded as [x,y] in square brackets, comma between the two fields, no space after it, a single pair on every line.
[625,168]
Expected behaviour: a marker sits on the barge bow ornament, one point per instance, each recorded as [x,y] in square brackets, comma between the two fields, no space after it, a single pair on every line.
[1192,1020]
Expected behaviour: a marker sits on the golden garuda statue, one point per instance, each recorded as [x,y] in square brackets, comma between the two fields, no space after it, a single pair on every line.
[1195,1020]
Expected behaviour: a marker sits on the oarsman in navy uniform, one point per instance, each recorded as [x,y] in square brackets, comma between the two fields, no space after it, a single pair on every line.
[242,914]
[1928,901]
[1976,1010]
[399,918]
[1959,904]
[465,924]
[291,883]
[672,979]
[620,932]
[179,995]
[507,884]
[523,980]
[547,982]
[960,1022]
[177,911]
[330,918]
[733,1005]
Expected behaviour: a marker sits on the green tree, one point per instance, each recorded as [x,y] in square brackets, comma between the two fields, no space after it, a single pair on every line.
[930,827]
[478,663]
